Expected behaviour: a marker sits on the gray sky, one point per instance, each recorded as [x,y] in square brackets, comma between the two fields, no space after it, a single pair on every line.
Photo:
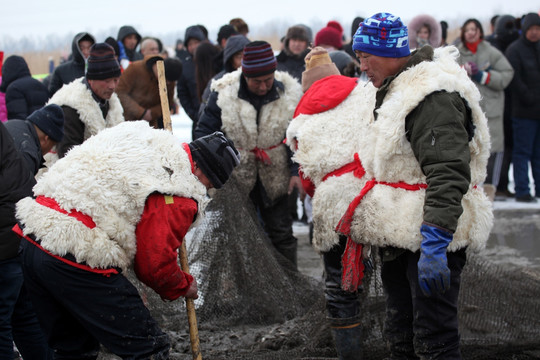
[40,19]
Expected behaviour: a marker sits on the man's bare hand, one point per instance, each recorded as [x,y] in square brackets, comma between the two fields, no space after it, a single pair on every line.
[192,292]
[295,182]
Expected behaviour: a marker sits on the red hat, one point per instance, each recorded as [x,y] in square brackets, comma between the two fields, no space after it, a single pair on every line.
[331,35]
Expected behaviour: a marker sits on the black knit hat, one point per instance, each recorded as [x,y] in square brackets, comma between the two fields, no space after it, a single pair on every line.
[114,44]
[216,156]
[225,32]
[102,63]
[50,120]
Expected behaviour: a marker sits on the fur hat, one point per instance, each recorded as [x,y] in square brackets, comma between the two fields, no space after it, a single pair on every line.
[216,156]
[102,63]
[382,34]
[318,66]
[434,27]
[50,120]
[258,59]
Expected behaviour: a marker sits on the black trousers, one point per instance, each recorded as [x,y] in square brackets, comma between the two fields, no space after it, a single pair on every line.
[79,309]
[342,307]
[417,326]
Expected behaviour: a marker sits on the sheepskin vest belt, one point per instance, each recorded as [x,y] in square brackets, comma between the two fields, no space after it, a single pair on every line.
[261,155]
[353,267]
[105,272]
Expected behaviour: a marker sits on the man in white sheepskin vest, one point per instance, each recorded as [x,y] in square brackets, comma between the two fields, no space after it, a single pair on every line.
[253,107]
[90,103]
[125,197]
[430,146]
[408,181]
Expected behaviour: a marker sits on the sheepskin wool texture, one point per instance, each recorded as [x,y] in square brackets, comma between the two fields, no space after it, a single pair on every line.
[108,178]
[77,96]
[239,120]
[388,216]
[322,144]
[392,217]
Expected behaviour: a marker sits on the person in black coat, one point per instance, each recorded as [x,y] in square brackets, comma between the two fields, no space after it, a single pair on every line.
[524,56]
[187,85]
[17,316]
[74,68]
[37,135]
[24,94]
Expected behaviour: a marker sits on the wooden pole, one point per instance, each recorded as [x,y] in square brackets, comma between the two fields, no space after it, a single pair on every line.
[190,304]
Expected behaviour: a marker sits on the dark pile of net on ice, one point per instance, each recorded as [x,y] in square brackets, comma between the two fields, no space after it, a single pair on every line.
[253,305]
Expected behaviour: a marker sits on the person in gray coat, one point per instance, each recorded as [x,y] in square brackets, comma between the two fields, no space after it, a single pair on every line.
[491,73]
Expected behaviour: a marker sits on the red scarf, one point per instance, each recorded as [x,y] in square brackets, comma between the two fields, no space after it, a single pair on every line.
[473,47]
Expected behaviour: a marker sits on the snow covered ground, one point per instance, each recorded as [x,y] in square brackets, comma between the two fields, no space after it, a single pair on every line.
[181,125]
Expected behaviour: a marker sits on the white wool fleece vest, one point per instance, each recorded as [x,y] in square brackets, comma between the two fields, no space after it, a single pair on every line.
[392,216]
[239,119]
[77,96]
[325,142]
[108,178]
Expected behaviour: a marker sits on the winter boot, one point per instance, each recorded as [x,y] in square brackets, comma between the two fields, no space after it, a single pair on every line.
[348,338]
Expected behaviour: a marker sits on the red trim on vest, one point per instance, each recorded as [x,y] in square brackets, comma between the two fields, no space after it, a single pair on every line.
[52,204]
[105,272]
[188,151]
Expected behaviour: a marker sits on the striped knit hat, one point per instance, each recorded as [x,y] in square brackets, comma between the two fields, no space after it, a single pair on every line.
[258,59]
[102,63]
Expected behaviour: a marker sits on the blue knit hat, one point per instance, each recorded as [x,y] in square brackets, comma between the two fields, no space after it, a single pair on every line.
[382,34]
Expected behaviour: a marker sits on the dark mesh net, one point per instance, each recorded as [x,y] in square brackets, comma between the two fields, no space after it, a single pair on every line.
[253,305]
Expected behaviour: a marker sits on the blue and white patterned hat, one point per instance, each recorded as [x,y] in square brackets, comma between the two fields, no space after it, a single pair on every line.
[382,34]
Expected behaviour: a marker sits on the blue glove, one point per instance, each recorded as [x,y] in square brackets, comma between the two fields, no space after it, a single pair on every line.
[433,271]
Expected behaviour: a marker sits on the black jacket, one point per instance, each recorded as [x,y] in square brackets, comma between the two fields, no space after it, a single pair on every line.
[187,85]
[16,182]
[27,143]
[24,94]
[293,64]
[72,69]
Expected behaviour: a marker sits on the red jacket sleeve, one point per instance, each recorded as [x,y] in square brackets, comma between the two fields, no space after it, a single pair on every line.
[307,184]
[160,232]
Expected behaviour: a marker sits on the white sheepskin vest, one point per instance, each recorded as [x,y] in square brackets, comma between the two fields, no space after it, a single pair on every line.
[325,142]
[108,178]
[77,96]
[391,216]
[239,120]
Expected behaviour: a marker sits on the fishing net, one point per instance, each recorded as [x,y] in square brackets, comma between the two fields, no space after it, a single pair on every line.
[254,305]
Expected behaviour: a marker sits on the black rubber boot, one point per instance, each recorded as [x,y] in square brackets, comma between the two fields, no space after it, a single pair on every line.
[348,338]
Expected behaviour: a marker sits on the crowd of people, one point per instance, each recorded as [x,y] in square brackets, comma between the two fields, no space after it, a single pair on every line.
[396,143]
